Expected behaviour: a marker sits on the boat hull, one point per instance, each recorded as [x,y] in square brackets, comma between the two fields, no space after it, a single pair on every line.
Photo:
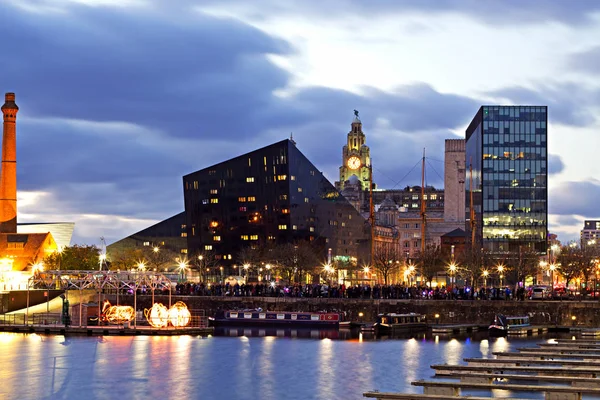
[279,319]
[497,331]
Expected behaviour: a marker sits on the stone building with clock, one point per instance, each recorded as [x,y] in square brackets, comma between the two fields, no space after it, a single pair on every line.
[356,158]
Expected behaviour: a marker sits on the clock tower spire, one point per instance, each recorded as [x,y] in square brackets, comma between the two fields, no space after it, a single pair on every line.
[356,158]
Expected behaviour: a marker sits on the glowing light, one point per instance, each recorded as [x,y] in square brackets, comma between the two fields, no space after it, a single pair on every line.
[117,314]
[366,270]
[159,316]
[156,249]
[179,315]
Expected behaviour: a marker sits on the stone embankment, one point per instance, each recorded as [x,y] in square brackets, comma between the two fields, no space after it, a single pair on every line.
[548,313]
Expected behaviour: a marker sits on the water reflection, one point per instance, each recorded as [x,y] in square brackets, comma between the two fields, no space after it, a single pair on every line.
[240,364]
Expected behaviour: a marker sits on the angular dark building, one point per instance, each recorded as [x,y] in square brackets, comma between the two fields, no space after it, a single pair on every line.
[271,195]
[507,170]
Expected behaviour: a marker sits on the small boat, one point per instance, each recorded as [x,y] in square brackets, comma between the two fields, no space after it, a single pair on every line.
[503,325]
[392,322]
[259,317]
[351,324]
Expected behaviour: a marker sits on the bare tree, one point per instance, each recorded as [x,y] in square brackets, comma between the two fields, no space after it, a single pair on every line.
[569,261]
[430,262]
[386,261]
[473,261]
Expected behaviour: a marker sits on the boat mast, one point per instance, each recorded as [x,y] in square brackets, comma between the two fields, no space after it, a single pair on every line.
[423,204]
[371,211]
[471,209]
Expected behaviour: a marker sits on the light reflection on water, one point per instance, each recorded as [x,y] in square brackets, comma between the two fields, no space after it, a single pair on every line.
[240,364]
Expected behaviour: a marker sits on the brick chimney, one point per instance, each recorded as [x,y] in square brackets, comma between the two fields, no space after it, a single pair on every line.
[8,176]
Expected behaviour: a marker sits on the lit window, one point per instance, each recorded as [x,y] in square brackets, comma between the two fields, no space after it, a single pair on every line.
[292,178]
[343,224]
[207,247]
[204,201]
[251,198]
[229,256]
[243,208]
[306,199]
[433,197]
[299,190]
[214,201]
[242,199]
[214,191]
[250,179]
[195,184]
[183,251]
[146,243]
[285,211]
[282,227]
[244,237]
[271,237]
[253,237]
[217,238]
[283,197]
[294,227]
[312,229]
[281,177]
[183,234]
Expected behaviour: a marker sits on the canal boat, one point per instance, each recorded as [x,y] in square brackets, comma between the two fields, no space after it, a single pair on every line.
[503,325]
[276,318]
[395,323]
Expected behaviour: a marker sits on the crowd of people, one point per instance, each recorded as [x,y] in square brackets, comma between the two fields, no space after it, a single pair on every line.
[356,291]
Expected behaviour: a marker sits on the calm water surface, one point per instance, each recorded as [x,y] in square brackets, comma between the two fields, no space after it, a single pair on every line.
[237,364]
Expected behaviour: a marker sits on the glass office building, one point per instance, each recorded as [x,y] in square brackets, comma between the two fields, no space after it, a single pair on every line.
[507,170]
[269,196]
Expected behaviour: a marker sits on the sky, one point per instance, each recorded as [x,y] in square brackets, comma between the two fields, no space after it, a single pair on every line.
[121,98]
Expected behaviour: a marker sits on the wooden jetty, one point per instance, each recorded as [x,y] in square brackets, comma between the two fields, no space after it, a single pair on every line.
[559,370]
[109,330]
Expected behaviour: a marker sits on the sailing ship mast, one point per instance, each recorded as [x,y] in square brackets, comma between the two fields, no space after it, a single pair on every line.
[423,205]
[371,212]
[471,209]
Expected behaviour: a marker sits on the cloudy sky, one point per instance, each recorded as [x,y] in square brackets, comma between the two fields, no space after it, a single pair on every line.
[120,98]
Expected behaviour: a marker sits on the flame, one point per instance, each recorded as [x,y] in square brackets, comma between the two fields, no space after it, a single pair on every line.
[117,314]
[159,316]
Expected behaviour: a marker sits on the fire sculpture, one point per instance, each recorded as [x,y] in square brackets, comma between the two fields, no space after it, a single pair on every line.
[160,316]
[117,314]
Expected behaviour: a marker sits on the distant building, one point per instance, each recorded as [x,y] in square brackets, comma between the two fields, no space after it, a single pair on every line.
[20,251]
[169,234]
[62,232]
[590,234]
[506,150]
[454,181]
[453,242]
[270,195]
[356,158]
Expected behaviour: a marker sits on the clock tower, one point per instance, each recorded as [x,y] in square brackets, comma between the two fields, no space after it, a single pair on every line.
[356,158]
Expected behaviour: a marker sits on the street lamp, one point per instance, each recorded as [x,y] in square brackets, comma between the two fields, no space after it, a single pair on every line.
[182,267]
[141,266]
[485,275]
[452,269]
[552,268]
[246,268]
[501,273]
[366,270]
[411,271]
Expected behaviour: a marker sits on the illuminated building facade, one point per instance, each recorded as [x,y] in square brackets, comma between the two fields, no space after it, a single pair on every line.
[506,149]
[271,195]
[590,234]
[356,157]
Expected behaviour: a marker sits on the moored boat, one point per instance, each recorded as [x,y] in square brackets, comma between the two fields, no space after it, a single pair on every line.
[503,325]
[283,318]
[392,322]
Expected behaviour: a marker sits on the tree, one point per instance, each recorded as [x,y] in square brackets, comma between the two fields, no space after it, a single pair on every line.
[430,262]
[294,260]
[76,257]
[386,260]
[522,264]
[569,263]
[473,261]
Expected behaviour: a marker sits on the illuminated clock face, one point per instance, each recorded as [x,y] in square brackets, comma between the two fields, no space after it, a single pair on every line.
[354,162]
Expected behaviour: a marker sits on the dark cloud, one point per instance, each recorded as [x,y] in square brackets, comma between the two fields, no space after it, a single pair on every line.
[575,198]
[568,103]
[499,12]
[586,61]
[555,164]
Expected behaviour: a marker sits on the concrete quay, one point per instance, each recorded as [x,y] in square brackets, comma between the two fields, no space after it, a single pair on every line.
[110,330]
[552,314]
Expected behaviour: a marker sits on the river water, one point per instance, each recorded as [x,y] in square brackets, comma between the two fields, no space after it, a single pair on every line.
[232,364]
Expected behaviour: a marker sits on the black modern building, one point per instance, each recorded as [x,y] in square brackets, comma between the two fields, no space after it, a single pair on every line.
[507,170]
[272,195]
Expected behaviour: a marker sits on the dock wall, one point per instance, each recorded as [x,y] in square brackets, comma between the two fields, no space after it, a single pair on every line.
[548,313]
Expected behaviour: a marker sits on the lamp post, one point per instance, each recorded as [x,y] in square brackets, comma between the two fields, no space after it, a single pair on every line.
[246,268]
[501,273]
[182,268]
[411,271]
[485,275]
[452,269]
[552,268]
[366,270]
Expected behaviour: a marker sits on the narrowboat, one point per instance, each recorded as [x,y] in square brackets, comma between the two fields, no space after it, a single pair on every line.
[503,325]
[276,318]
[392,322]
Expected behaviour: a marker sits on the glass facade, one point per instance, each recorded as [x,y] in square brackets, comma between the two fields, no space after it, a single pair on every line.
[271,195]
[507,169]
